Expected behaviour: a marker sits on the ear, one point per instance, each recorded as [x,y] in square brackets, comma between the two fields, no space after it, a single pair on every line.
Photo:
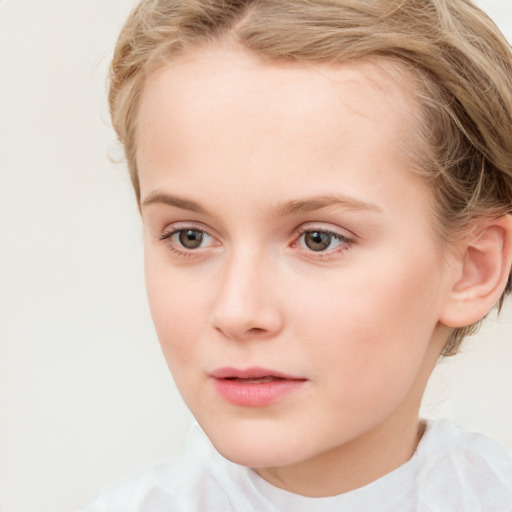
[482,269]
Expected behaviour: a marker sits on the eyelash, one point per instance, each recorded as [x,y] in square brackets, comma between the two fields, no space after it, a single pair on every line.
[345,244]
[166,238]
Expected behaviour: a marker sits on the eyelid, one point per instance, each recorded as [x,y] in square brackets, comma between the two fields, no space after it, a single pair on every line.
[327,228]
[174,227]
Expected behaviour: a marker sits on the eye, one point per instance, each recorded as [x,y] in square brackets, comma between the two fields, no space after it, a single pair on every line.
[319,240]
[190,238]
[187,239]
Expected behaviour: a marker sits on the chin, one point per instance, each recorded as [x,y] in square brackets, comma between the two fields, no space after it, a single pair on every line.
[258,447]
[256,456]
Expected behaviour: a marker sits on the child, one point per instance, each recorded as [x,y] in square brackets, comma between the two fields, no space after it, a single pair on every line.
[326,190]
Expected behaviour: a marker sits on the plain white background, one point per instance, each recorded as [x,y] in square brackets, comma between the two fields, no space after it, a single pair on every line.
[85,396]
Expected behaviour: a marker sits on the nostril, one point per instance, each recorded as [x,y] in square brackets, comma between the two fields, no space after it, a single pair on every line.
[256,330]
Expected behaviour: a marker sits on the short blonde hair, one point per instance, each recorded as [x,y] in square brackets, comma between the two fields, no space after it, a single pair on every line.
[462,63]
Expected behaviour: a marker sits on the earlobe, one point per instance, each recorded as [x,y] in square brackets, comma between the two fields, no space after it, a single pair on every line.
[483,269]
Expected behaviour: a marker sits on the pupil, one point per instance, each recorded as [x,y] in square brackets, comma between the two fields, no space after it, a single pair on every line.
[317,241]
[191,238]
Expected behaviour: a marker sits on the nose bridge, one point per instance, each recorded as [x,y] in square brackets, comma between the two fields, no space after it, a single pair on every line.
[245,303]
[241,274]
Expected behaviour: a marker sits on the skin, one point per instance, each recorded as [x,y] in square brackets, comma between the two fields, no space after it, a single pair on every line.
[245,146]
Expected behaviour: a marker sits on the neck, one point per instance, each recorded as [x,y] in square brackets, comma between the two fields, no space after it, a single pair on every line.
[353,465]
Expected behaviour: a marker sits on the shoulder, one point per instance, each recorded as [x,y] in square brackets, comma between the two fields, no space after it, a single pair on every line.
[466,468]
[130,494]
[445,439]
[180,484]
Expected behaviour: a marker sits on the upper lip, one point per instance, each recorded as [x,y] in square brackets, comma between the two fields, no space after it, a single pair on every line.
[253,372]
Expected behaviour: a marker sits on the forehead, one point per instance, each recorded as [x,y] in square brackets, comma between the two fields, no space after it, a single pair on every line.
[222,116]
[217,83]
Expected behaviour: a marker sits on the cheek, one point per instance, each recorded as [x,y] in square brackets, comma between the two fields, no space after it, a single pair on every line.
[370,327]
[377,302]
[175,308]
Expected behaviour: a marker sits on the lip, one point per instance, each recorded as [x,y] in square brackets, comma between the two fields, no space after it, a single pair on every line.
[255,386]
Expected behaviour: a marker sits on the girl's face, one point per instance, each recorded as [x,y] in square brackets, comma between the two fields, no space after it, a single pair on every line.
[292,269]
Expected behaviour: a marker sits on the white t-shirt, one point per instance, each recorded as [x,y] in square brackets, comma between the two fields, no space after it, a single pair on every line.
[451,471]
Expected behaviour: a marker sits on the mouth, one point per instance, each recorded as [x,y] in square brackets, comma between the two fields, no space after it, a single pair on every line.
[254,387]
[258,380]
[254,373]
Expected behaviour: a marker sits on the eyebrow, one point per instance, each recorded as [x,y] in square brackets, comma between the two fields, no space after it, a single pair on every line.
[319,202]
[295,206]
[157,197]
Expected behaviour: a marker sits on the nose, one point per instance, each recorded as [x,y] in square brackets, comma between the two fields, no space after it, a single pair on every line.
[246,305]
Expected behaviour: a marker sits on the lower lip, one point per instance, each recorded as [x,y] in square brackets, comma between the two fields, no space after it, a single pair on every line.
[255,394]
